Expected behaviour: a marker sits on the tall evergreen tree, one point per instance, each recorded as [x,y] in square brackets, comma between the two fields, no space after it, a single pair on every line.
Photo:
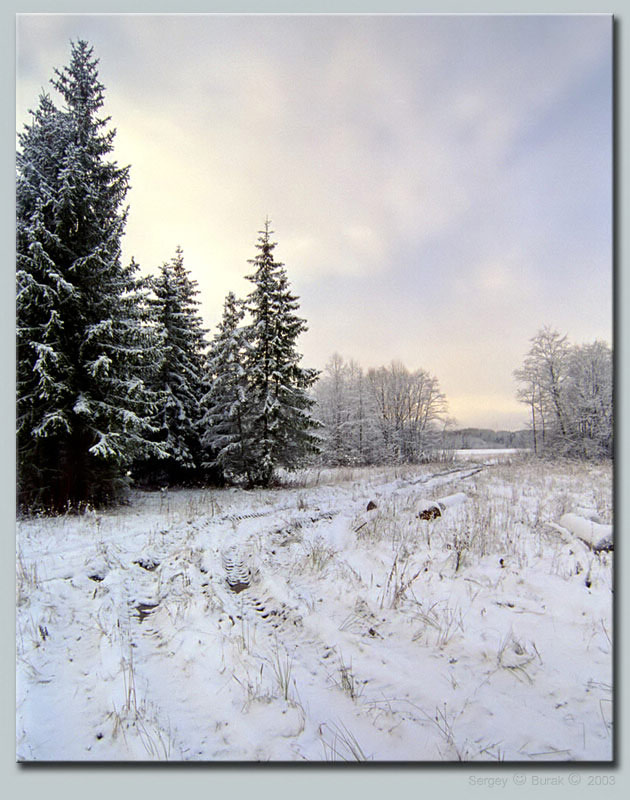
[179,379]
[42,364]
[83,409]
[226,424]
[278,401]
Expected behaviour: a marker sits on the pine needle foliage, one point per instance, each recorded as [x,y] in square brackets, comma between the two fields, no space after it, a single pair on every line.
[83,409]
[280,430]
[180,375]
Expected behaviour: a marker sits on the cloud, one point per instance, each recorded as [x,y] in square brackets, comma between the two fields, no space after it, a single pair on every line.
[438,185]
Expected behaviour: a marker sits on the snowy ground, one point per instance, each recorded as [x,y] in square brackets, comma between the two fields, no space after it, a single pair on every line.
[481,634]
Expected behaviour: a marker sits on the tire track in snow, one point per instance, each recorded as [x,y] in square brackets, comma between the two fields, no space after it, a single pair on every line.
[318,658]
[242,579]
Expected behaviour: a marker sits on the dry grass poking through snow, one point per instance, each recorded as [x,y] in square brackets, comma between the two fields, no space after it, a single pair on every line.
[353,634]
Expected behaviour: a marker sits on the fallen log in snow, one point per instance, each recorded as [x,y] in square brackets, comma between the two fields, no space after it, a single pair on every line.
[595,535]
[429,509]
[436,508]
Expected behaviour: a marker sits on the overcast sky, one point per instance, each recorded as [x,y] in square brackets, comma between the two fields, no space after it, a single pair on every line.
[439,186]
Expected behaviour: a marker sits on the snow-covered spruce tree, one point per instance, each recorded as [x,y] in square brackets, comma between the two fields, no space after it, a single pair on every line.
[179,378]
[280,426]
[82,405]
[43,368]
[225,423]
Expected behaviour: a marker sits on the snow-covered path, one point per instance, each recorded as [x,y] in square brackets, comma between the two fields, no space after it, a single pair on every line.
[294,624]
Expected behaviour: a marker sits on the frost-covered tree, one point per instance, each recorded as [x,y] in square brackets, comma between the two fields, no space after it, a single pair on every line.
[334,411]
[568,390]
[226,435]
[279,405]
[410,406]
[390,415]
[543,383]
[347,412]
[365,440]
[590,398]
[179,377]
[83,409]
[529,392]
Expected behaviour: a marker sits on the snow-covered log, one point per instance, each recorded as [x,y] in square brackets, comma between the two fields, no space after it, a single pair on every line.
[595,535]
[435,508]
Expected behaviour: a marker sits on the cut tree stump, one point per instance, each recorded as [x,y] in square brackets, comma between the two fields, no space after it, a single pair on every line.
[432,512]
[433,509]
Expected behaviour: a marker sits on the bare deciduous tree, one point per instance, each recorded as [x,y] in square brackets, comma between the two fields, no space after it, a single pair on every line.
[386,415]
[568,389]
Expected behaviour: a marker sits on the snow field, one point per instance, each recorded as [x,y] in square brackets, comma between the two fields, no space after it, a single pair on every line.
[479,635]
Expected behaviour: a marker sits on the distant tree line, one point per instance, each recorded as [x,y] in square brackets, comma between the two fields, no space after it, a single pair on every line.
[480,438]
[384,415]
[568,390]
